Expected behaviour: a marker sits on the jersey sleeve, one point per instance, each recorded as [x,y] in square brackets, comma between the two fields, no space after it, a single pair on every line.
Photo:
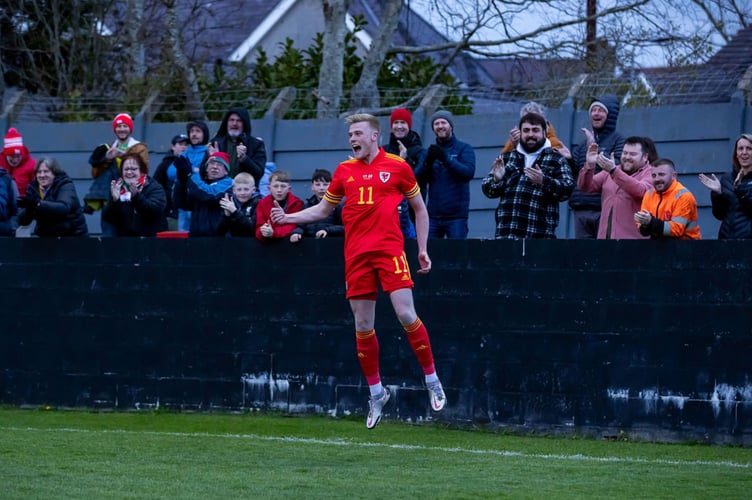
[408,184]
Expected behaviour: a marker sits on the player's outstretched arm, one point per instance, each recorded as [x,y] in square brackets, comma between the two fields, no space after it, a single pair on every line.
[311,214]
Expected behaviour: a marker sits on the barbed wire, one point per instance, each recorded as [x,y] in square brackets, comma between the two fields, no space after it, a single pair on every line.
[637,89]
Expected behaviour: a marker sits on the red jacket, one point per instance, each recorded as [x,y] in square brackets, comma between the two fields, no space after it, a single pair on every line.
[264,211]
[22,174]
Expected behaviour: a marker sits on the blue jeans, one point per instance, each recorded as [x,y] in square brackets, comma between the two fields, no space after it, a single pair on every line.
[455,229]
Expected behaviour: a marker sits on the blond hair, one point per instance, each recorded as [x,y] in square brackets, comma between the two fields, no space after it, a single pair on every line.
[364,117]
[243,178]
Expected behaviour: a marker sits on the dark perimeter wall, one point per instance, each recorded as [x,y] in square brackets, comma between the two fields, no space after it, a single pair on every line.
[649,338]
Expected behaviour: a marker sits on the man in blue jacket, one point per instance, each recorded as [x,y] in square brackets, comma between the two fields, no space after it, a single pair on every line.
[446,169]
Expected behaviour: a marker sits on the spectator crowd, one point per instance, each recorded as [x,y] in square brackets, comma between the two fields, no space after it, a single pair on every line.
[223,186]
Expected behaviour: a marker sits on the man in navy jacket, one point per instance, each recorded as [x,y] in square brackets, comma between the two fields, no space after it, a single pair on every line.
[446,170]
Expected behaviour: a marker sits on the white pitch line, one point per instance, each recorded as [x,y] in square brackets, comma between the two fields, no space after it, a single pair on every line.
[366,444]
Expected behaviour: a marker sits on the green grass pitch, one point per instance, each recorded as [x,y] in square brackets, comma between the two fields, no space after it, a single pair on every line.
[79,454]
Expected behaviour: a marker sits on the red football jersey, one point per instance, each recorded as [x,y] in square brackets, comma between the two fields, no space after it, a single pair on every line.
[372,194]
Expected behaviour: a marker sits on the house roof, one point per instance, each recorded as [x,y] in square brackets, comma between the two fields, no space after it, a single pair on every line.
[234,29]
[525,70]
[715,81]
[737,52]
[213,30]
[413,30]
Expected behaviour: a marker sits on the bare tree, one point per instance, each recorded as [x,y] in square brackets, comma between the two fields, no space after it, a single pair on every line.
[134,25]
[174,49]
[329,93]
[725,16]
[53,44]
[67,47]
[365,93]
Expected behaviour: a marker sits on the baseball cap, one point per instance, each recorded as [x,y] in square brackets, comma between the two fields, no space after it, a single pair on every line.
[179,138]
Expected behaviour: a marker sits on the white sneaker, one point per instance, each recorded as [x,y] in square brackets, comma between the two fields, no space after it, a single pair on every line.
[375,407]
[436,396]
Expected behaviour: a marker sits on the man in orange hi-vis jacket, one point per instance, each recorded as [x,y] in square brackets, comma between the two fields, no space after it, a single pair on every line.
[668,210]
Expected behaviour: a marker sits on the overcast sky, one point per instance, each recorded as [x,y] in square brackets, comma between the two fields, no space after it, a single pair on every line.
[532,15]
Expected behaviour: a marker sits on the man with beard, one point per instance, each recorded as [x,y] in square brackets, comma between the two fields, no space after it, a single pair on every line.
[621,187]
[668,210]
[406,143]
[246,153]
[447,169]
[530,182]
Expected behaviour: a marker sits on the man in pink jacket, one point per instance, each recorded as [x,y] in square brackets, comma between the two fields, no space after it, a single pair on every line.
[621,187]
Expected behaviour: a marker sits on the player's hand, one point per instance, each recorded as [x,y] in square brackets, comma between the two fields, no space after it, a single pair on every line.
[278,215]
[295,237]
[321,233]
[425,263]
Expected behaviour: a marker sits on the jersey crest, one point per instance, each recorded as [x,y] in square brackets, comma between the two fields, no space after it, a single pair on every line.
[384,176]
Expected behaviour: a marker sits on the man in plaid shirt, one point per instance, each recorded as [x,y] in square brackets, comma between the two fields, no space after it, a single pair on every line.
[530,182]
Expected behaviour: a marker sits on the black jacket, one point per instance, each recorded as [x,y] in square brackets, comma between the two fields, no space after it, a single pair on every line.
[161,177]
[59,214]
[144,215]
[255,158]
[733,207]
[242,222]
[413,144]
[206,214]
[415,149]
[8,208]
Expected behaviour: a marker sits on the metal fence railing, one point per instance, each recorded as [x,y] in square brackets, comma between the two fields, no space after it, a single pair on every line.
[646,88]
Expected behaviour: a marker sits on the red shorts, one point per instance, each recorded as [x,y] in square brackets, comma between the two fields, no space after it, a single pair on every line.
[365,272]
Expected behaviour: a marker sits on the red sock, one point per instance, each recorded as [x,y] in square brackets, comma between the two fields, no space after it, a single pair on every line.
[417,335]
[368,355]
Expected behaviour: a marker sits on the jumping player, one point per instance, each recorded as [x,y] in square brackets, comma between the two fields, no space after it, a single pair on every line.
[373,184]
